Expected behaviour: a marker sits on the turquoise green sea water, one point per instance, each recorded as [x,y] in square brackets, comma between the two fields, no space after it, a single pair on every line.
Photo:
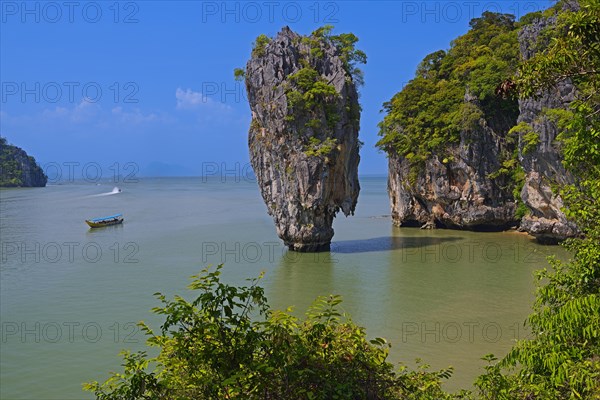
[70,296]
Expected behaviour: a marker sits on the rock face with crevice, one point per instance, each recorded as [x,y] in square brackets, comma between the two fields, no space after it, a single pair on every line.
[304,150]
[455,191]
[543,165]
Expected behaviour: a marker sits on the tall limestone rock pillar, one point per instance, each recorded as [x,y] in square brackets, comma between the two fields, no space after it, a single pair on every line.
[303,137]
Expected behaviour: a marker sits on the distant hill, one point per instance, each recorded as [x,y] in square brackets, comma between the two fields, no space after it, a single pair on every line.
[17,169]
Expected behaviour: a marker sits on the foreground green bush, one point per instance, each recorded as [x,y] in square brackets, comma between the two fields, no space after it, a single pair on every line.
[228,344]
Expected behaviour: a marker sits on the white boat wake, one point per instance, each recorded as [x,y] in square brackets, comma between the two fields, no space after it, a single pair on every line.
[116,190]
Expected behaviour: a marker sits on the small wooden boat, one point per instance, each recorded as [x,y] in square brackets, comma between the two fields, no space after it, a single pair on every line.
[105,221]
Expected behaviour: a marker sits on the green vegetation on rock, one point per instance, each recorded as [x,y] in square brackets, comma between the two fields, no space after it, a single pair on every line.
[345,44]
[258,48]
[239,74]
[308,95]
[431,110]
[309,92]
[529,137]
[317,148]
[17,168]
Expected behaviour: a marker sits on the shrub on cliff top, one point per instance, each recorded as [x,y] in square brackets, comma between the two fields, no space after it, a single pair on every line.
[429,112]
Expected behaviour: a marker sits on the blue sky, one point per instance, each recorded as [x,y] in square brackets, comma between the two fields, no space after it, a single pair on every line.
[150,83]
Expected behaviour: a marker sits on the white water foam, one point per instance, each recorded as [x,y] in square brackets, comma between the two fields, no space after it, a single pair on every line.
[116,190]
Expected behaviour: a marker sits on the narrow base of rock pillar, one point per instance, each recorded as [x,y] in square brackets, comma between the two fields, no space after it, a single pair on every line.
[309,247]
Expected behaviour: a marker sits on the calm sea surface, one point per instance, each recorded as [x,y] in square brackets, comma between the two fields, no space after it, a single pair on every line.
[70,296]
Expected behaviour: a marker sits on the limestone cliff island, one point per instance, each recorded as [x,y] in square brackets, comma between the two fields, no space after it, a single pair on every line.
[464,151]
[18,169]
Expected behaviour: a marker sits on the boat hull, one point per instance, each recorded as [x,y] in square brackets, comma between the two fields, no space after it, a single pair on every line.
[101,224]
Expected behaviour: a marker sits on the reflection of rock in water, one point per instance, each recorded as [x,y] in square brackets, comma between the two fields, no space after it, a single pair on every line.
[387,243]
[300,278]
